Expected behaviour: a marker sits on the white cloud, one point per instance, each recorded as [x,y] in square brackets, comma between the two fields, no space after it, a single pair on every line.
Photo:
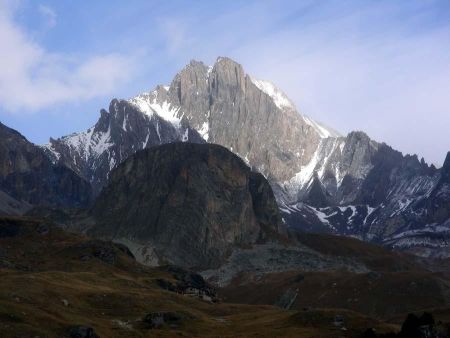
[31,78]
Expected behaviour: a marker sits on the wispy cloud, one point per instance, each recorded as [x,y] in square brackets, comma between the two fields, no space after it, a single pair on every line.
[33,78]
[49,15]
[175,34]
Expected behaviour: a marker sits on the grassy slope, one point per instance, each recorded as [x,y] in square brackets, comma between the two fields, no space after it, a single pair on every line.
[397,285]
[42,266]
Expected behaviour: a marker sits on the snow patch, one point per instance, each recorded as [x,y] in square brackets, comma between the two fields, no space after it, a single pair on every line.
[148,104]
[369,212]
[320,129]
[88,144]
[157,131]
[279,98]
[318,163]
[204,131]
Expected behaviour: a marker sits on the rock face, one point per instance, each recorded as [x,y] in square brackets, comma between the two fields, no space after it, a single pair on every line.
[250,117]
[28,177]
[348,185]
[188,203]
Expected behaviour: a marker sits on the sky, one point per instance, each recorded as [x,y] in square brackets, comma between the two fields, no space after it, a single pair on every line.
[382,66]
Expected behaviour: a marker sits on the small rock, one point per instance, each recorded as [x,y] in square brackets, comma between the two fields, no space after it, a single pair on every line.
[338,321]
[157,319]
[42,229]
[65,302]
[123,324]
[80,331]
[206,298]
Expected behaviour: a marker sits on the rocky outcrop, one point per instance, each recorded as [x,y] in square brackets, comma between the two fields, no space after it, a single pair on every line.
[188,203]
[156,320]
[188,283]
[27,177]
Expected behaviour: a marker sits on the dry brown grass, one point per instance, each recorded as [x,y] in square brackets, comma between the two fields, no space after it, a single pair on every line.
[39,270]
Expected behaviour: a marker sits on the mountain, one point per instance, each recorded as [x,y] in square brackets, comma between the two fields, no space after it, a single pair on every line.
[323,181]
[187,204]
[222,103]
[28,177]
[200,206]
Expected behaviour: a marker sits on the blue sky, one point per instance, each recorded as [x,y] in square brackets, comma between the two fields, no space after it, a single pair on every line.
[378,66]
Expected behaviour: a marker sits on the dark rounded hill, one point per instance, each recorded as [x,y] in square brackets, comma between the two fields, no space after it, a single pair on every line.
[189,203]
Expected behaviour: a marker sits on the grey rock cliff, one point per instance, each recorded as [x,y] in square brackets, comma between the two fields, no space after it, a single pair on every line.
[238,113]
[191,204]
